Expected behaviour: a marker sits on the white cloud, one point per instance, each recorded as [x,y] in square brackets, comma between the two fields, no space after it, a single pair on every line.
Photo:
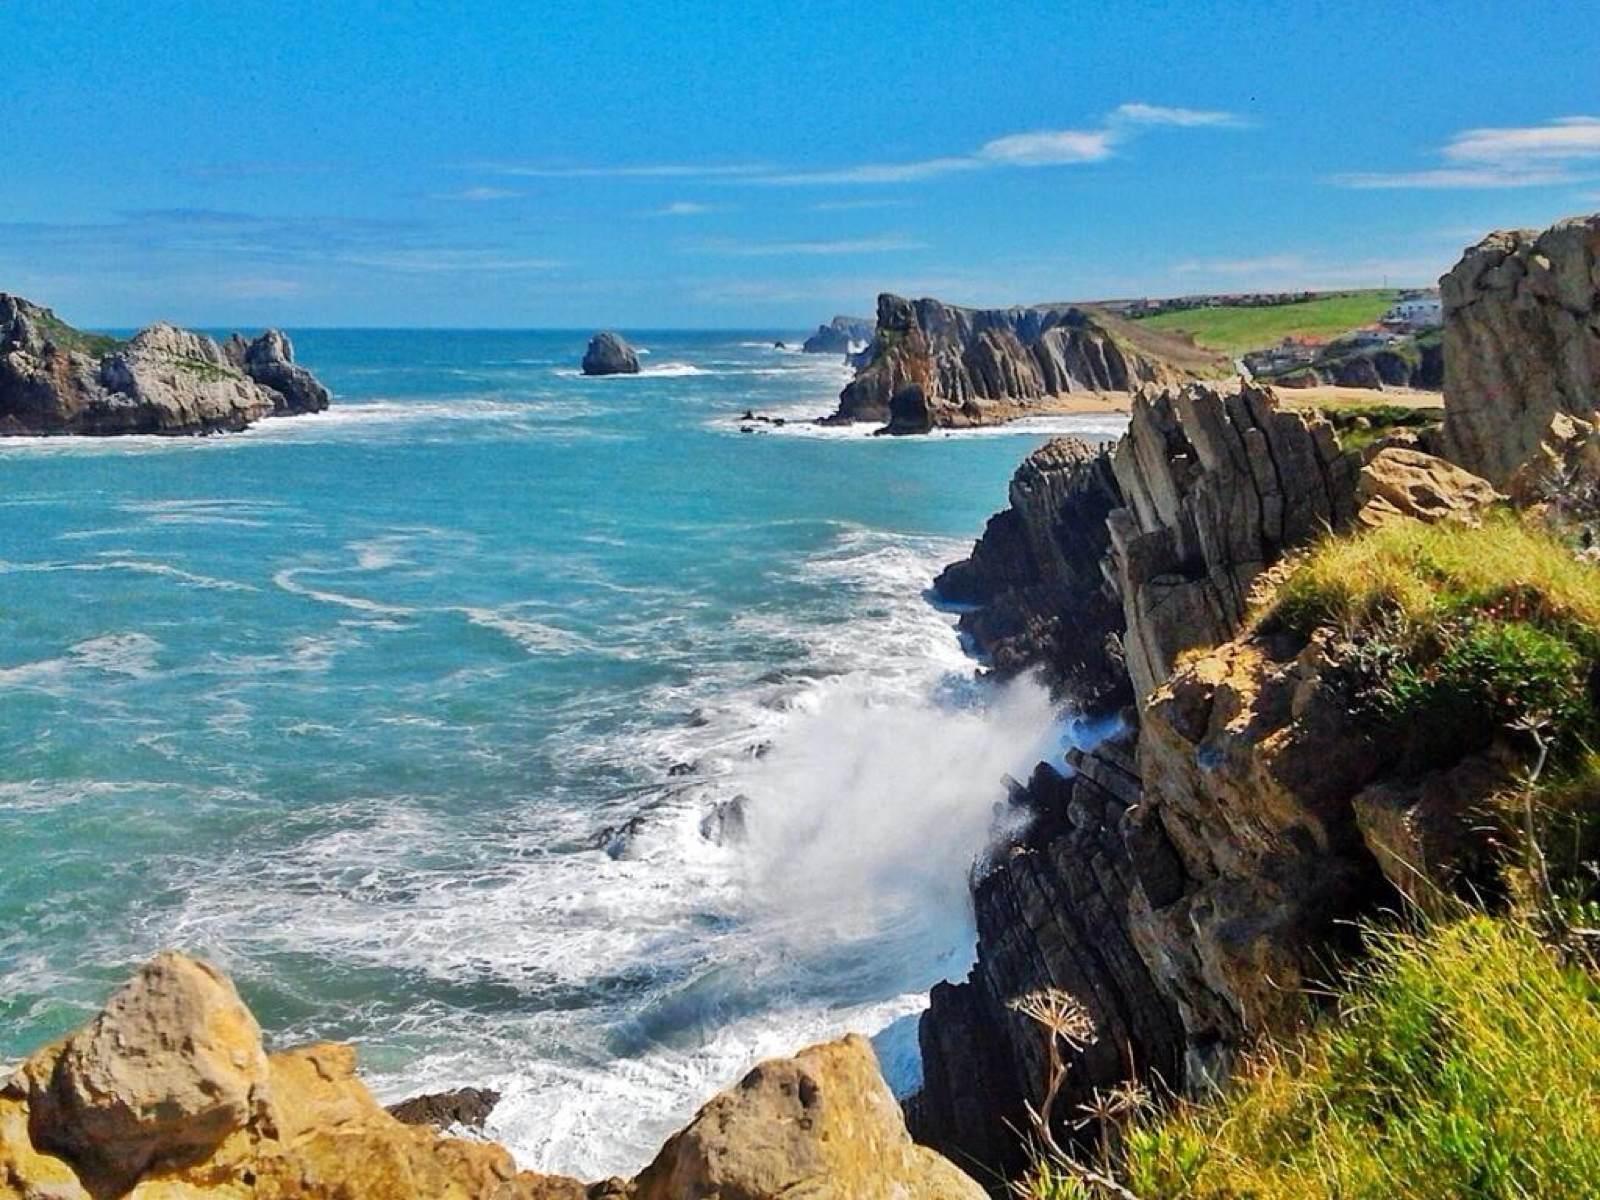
[1513,157]
[1561,140]
[1295,272]
[906,172]
[685,208]
[1050,147]
[642,171]
[1454,177]
[876,245]
[1240,266]
[855,205]
[478,194]
[433,261]
[1187,118]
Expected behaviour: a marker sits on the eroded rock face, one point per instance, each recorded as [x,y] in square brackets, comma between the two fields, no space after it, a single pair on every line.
[1398,483]
[821,1125]
[1037,576]
[935,365]
[56,380]
[610,354]
[1217,486]
[1522,344]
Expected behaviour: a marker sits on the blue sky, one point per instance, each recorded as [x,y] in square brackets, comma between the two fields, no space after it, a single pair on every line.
[766,165]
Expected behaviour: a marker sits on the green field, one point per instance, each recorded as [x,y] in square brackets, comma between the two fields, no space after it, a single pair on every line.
[1243,328]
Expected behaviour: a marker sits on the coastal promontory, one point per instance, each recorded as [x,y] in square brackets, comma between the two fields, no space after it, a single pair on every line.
[55,379]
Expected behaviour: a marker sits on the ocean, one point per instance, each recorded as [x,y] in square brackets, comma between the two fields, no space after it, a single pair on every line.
[526,730]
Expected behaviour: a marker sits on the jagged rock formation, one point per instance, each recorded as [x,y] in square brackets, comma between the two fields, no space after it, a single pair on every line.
[610,354]
[467,1107]
[1218,486]
[169,1093]
[1035,575]
[56,380]
[1153,931]
[934,365]
[1522,347]
[839,335]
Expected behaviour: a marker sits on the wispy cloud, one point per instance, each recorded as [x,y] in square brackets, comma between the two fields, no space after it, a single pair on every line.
[1185,118]
[259,288]
[1294,271]
[1513,157]
[1240,266]
[479,194]
[875,245]
[624,171]
[856,205]
[685,208]
[444,260]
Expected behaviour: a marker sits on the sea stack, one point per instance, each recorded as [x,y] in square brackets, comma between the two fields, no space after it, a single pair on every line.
[610,354]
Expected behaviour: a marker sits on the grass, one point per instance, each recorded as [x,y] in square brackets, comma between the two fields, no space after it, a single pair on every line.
[1464,1061]
[1359,425]
[1453,637]
[1152,341]
[96,345]
[1235,329]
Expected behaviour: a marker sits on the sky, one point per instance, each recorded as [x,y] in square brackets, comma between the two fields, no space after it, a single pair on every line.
[520,165]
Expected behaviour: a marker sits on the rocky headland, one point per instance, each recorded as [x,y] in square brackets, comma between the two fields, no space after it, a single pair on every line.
[55,379]
[932,365]
[609,354]
[840,336]
[1189,879]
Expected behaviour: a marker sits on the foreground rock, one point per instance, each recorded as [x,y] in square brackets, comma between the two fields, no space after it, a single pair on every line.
[840,336]
[610,354]
[168,1093]
[1522,351]
[57,380]
[933,365]
[821,1125]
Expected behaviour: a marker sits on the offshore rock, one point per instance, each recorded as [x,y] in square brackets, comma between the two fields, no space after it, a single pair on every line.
[1522,344]
[821,1125]
[610,354]
[57,380]
[935,365]
[1036,576]
[839,335]
[467,1107]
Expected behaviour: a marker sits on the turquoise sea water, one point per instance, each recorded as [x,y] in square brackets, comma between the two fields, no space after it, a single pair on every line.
[417,716]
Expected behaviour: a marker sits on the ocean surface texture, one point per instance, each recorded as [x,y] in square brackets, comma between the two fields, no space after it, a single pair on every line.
[528,730]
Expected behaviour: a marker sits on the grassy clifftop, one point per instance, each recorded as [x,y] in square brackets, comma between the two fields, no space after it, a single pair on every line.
[1236,328]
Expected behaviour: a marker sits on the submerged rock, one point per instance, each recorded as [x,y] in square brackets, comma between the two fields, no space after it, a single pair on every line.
[610,354]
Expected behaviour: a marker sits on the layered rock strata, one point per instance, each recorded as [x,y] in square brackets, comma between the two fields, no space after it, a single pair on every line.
[165,380]
[168,1092]
[935,365]
[1522,346]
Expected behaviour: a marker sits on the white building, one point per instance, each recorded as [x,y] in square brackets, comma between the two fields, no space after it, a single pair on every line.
[1418,312]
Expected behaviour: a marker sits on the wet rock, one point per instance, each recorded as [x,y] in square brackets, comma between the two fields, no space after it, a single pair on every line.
[467,1108]
[727,823]
[609,354]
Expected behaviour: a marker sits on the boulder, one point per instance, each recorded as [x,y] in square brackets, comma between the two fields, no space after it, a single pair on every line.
[1403,484]
[610,354]
[467,1108]
[171,1066]
[821,1125]
[1522,344]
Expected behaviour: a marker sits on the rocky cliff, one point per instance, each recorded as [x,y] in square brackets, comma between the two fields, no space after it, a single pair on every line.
[57,380]
[1522,348]
[1186,878]
[839,335]
[1415,362]
[935,365]
[169,1093]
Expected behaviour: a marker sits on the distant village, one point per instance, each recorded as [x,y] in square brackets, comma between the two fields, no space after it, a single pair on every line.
[1414,314]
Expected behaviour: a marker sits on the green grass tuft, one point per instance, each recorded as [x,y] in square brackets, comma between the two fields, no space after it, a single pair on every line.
[1464,1062]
